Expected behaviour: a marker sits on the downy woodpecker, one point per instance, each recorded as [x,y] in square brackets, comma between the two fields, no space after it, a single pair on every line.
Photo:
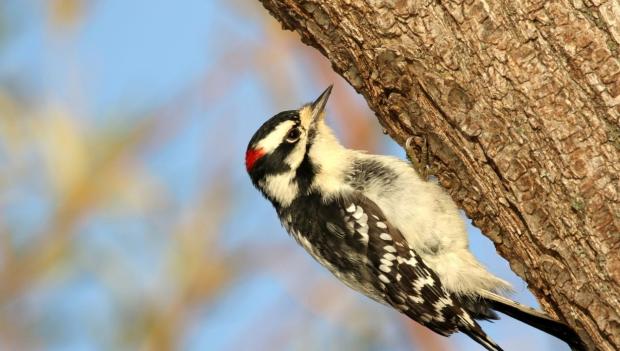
[380,228]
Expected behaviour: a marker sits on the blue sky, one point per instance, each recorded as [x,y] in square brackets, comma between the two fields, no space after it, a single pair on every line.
[117,64]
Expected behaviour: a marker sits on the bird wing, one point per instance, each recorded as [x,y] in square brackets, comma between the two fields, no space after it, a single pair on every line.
[350,235]
[407,283]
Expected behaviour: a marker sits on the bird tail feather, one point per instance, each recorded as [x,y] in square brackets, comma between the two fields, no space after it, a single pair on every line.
[481,338]
[534,318]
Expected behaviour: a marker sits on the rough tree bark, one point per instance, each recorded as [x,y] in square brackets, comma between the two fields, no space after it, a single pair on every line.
[520,103]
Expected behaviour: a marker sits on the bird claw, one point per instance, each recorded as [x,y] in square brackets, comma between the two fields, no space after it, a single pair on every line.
[422,165]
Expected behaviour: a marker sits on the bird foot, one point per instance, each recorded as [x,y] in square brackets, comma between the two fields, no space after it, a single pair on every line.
[423,163]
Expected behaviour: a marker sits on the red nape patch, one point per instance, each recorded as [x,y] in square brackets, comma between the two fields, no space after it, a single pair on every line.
[251,156]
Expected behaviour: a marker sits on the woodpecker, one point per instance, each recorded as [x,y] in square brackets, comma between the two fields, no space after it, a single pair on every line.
[380,228]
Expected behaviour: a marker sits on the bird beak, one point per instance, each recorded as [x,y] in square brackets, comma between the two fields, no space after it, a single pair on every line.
[312,113]
[318,105]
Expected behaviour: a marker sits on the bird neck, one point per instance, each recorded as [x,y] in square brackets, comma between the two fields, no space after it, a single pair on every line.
[330,160]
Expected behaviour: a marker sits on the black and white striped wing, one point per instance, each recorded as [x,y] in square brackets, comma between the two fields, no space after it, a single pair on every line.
[351,237]
[402,276]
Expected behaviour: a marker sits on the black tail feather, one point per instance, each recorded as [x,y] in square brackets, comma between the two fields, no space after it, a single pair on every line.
[536,319]
[481,338]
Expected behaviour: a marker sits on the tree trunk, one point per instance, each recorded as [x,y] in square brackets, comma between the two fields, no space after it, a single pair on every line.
[520,104]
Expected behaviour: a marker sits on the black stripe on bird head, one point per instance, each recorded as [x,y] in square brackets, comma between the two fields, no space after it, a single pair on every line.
[266,153]
[262,163]
[271,124]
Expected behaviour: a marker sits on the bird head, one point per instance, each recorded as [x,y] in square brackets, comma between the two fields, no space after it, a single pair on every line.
[277,158]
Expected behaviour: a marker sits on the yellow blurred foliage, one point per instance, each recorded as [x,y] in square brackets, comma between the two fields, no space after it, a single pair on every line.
[9,110]
[61,139]
[65,13]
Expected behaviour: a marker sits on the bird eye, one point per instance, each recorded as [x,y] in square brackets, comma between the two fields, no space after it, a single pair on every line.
[293,135]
